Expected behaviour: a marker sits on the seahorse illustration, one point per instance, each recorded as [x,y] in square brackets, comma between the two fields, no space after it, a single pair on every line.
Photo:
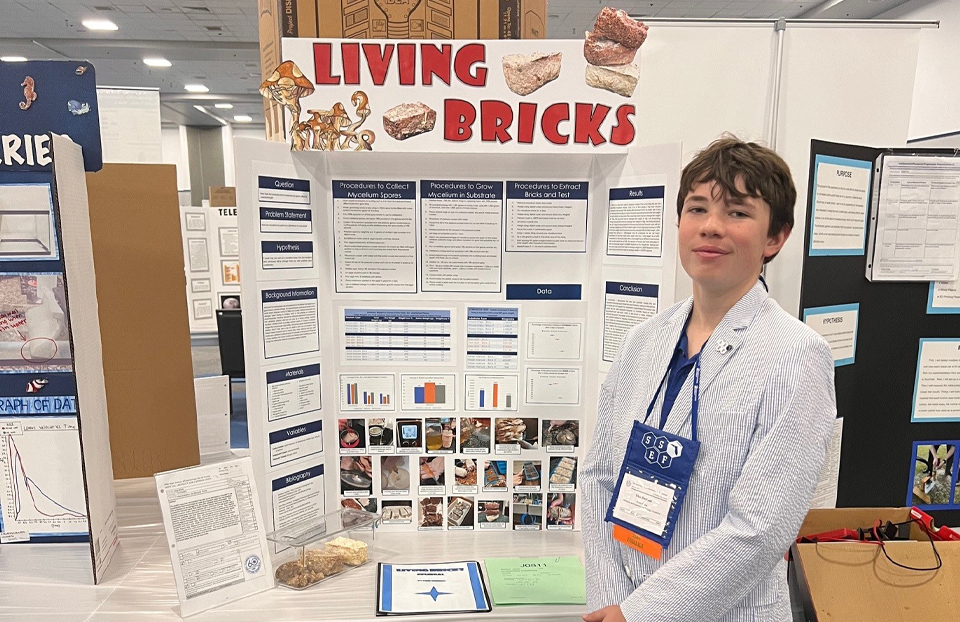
[28,93]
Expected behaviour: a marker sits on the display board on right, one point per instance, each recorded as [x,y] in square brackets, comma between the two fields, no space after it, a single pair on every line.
[892,214]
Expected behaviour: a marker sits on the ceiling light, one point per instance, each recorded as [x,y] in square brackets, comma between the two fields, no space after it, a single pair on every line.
[13,59]
[242,118]
[99,24]
[223,106]
[157,62]
[196,88]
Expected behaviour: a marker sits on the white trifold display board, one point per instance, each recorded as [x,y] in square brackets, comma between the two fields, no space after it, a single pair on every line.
[391,300]
[211,262]
[198,267]
[225,243]
[130,124]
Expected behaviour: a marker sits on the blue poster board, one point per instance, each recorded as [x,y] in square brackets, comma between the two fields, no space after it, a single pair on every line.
[38,97]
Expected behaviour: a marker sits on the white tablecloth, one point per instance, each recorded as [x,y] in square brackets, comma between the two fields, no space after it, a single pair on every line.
[53,582]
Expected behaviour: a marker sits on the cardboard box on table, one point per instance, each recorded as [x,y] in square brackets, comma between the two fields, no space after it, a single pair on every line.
[388,19]
[852,581]
[141,291]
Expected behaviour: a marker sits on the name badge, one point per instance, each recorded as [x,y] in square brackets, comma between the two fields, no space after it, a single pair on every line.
[653,482]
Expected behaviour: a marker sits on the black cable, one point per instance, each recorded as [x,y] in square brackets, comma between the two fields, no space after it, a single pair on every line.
[932,545]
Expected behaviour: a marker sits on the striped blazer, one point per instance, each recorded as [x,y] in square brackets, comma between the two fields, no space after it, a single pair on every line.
[767,408]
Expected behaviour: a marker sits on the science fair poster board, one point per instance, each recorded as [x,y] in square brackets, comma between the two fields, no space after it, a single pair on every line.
[56,482]
[195,234]
[211,262]
[422,329]
[56,477]
[895,343]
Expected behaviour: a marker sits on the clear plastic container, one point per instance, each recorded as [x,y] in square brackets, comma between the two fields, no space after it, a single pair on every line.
[322,548]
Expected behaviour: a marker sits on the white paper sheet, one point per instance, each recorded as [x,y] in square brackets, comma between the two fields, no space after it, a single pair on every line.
[213,415]
[825,495]
[840,199]
[218,545]
[917,236]
[376,236]
[431,588]
[462,235]
[937,388]
[838,325]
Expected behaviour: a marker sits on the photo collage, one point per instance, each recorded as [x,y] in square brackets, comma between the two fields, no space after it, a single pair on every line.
[461,473]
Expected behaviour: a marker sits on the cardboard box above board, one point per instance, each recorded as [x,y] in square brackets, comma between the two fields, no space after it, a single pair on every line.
[223,196]
[852,581]
[389,19]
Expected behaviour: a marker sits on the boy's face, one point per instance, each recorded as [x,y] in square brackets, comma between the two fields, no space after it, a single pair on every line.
[723,242]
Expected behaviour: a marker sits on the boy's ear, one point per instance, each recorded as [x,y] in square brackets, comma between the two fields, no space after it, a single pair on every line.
[776,242]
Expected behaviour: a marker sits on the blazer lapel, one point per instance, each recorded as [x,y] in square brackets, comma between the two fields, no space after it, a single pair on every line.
[728,336]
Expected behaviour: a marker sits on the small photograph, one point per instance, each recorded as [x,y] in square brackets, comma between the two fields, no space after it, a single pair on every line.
[34,327]
[492,513]
[431,513]
[465,470]
[563,473]
[395,475]
[441,435]
[410,435]
[460,513]
[229,301]
[352,434]
[381,435]
[231,272]
[932,474]
[560,435]
[356,476]
[397,512]
[527,512]
[364,504]
[526,475]
[474,436]
[432,471]
[561,510]
[495,475]
[522,432]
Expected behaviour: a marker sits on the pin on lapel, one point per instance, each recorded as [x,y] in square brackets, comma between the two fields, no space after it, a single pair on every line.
[723,347]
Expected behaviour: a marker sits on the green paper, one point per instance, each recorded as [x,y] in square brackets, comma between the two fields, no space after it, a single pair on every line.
[536,580]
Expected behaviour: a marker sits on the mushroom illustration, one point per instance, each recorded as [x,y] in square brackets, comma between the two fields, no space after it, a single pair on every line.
[286,85]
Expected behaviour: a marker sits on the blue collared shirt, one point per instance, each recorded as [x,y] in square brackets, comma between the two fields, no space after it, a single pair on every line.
[680,367]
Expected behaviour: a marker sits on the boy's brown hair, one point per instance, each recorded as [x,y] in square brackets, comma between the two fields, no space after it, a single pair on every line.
[764,173]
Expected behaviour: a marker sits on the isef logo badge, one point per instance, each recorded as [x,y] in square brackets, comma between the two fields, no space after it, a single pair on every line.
[252,564]
[660,451]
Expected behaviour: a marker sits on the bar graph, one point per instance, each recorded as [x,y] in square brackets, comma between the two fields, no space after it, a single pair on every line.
[491,392]
[428,392]
[359,392]
[354,396]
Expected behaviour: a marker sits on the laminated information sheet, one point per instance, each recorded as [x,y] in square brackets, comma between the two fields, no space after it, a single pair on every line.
[222,556]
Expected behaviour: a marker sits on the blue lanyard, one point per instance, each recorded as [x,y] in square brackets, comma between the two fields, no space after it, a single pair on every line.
[694,400]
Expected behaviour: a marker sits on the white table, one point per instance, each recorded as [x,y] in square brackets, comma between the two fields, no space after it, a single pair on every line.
[41,583]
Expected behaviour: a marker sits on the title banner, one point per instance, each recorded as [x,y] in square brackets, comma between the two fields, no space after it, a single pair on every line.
[521,96]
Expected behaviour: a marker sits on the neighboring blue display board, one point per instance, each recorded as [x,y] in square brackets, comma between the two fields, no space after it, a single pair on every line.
[38,97]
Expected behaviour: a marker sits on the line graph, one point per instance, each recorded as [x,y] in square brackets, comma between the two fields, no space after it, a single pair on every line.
[42,484]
